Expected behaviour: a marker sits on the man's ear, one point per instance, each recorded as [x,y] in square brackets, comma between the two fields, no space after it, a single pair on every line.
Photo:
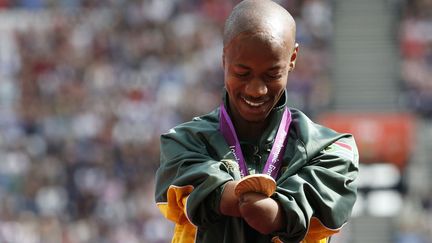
[223,61]
[293,58]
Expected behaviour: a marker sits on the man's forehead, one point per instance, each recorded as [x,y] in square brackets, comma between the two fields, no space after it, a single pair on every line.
[262,35]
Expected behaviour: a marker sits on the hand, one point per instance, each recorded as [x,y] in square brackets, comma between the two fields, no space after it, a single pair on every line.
[229,204]
[261,212]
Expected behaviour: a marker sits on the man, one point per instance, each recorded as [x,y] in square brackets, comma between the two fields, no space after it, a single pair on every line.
[253,132]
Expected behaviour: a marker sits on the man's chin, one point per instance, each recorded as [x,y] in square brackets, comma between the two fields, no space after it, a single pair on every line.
[254,116]
[254,119]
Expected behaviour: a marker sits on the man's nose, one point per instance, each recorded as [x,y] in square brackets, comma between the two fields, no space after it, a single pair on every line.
[256,88]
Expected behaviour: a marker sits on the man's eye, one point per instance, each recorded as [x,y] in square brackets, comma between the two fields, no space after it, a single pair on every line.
[274,76]
[242,75]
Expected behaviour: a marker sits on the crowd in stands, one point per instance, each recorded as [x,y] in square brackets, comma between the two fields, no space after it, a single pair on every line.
[416,55]
[86,92]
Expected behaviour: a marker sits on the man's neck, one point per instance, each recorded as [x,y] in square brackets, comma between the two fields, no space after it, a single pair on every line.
[246,130]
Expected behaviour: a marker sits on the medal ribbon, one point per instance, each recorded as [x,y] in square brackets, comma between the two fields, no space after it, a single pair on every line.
[274,160]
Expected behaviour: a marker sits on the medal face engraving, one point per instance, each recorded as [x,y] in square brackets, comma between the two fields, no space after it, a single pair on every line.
[260,183]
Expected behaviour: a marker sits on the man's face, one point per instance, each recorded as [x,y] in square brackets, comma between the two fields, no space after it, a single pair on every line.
[256,73]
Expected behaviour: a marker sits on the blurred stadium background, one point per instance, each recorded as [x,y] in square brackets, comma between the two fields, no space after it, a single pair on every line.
[87,87]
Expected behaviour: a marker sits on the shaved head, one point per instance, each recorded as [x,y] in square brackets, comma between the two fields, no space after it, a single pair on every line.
[265,17]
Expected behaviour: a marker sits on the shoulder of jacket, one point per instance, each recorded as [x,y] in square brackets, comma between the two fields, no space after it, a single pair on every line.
[200,124]
[314,137]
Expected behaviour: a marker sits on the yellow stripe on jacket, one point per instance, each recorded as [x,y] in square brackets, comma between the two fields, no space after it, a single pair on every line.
[175,210]
[318,232]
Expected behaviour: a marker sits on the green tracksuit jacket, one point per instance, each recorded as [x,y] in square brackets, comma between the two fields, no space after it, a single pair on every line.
[316,185]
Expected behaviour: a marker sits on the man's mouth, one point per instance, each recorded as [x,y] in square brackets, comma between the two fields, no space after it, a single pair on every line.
[252,103]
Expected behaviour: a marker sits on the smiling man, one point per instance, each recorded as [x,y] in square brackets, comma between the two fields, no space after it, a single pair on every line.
[255,135]
[259,52]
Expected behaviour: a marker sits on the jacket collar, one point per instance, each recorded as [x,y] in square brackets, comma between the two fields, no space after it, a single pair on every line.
[275,116]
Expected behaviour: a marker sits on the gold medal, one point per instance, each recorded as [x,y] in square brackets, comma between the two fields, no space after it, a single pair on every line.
[261,183]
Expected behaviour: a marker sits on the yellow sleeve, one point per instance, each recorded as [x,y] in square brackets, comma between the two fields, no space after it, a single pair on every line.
[317,233]
[175,210]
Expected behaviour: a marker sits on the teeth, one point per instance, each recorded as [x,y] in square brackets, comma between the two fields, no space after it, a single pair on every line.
[253,103]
